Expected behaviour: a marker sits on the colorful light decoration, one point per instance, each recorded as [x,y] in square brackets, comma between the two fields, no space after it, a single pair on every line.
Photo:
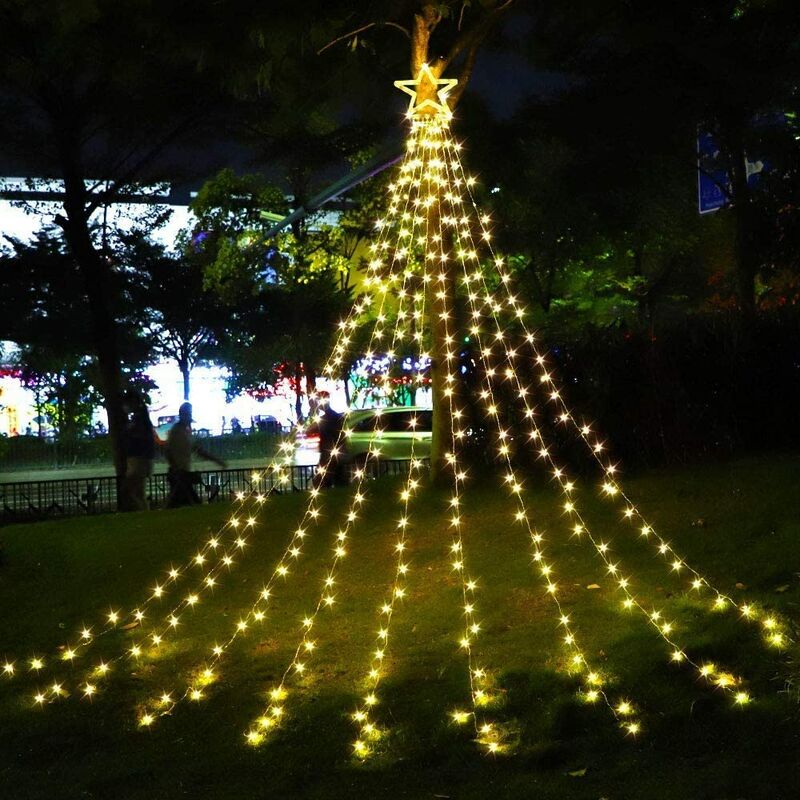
[428,244]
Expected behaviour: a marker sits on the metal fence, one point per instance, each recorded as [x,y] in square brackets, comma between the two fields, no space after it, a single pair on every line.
[67,497]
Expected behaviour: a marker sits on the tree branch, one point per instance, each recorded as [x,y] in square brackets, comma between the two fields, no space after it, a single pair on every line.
[133,172]
[464,75]
[472,38]
[424,25]
[363,28]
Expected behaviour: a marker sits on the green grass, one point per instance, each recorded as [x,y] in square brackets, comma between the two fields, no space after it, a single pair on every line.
[695,744]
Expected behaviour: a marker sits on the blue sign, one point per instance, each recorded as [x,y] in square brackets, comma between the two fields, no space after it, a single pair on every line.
[713,182]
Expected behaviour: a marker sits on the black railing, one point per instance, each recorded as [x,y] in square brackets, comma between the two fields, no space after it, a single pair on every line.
[67,497]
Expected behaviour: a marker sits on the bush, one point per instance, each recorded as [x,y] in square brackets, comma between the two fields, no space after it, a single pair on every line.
[706,386]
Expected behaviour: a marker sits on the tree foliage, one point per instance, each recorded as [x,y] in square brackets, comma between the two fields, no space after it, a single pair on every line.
[284,292]
[41,310]
[644,81]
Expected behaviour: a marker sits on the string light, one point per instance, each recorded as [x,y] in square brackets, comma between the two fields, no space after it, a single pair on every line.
[430,176]
[294,548]
[576,658]
[611,488]
[368,731]
[487,733]
[663,628]
[279,468]
[114,618]
[274,711]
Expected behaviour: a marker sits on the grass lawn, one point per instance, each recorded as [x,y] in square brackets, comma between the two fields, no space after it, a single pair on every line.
[738,523]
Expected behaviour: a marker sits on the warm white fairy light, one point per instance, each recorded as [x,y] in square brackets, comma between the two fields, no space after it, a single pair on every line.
[368,729]
[113,618]
[487,733]
[611,486]
[207,673]
[275,709]
[211,578]
[294,549]
[151,640]
[577,659]
[430,174]
[663,628]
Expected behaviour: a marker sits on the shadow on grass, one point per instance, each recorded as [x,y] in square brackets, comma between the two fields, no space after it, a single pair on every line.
[695,746]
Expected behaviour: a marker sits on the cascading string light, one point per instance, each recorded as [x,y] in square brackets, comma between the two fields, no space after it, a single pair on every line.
[208,672]
[257,612]
[157,636]
[709,672]
[209,581]
[577,661]
[274,711]
[592,679]
[774,630]
[430,154]
[368,730]
[487,733]
[116,619]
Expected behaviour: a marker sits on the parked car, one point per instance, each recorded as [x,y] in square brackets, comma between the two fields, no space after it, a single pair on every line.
[394,431]
[265,423]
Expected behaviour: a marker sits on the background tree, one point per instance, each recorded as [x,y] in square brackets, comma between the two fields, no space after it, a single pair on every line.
[665,72]
[101,96]
[285,292]
[62,385]
[594,229]
[41,311]
[184,321]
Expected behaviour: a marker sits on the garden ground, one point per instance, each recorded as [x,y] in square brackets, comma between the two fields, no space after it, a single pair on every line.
[739,523]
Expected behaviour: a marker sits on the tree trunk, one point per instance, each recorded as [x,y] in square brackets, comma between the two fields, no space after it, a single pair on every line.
[298,394]
[441,422]
[346,381]
[465,48]
[441,437]
[424,25]
[38,402]
[183,365]
[60,432]
[102,324]
[543,293]
[311,389]
[747,260]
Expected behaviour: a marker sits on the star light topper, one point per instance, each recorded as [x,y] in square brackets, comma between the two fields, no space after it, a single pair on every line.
[426,85]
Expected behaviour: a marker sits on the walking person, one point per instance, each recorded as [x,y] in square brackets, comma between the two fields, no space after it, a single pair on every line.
[140,453]
[329,424]
[178,451]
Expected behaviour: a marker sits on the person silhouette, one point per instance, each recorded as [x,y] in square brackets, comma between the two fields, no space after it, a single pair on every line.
[178,450]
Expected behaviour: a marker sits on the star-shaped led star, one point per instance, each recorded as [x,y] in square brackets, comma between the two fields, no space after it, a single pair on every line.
[442,87]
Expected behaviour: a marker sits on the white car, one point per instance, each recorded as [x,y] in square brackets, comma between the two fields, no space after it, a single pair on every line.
[395,433]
